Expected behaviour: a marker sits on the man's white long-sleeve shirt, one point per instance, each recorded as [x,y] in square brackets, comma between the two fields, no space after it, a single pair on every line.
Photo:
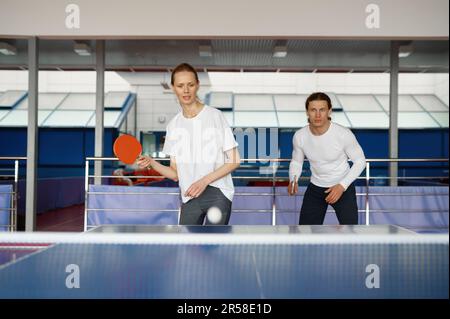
[328,155]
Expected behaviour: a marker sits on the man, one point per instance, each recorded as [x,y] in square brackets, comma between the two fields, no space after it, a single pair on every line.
[328,147]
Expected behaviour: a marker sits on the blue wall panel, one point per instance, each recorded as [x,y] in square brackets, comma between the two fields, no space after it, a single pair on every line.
[373,142]
[445,144]
[62,151]
[420,144]
[13,142]
[61,146]
[108,140]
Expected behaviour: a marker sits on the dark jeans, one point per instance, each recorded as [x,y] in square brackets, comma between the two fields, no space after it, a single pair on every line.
[194,211]
[314,206]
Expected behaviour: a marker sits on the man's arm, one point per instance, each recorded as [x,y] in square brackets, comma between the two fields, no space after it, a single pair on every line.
[356,155]
[295,167]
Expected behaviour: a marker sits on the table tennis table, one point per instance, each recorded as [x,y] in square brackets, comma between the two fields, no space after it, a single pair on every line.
[223,262]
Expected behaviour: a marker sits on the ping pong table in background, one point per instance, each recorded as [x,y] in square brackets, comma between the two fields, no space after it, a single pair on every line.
[239,262]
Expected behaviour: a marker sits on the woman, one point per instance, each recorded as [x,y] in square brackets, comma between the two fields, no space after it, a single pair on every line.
[202,150]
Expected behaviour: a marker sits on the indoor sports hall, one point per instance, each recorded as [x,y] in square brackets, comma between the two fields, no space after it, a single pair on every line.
[104,151]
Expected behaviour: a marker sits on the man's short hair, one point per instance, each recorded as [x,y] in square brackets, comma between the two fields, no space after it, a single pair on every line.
[318,96]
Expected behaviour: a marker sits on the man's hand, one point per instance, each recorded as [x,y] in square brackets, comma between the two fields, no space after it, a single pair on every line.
[292,188]
[144,161]
[334,193]
[196,189]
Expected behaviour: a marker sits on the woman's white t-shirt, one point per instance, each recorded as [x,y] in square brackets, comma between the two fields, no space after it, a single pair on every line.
[198,145]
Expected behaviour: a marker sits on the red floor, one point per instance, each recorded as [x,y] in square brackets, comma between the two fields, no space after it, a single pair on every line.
[70,219]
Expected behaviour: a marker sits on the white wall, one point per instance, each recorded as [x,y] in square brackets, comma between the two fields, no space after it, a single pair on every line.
[155,105]
[305,83]
[231,18]
[62,81]
[155,108]
[297,83]
[441,87]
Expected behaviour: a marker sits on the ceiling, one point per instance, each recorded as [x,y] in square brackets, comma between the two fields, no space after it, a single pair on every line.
[239,55]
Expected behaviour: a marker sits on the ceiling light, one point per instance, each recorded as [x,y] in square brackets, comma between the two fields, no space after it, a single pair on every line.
[205,49]
[280,49]
[7,49]
[82,48]
[405,50]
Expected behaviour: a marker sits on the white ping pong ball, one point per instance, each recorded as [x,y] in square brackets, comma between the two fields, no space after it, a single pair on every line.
[214,215]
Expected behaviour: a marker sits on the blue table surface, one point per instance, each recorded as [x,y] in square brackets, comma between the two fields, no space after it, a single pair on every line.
[185,271]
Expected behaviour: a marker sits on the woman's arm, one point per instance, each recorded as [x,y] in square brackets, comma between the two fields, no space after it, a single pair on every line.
[167,171]
[232,162]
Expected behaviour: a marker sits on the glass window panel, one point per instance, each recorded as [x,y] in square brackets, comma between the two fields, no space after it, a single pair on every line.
[229,117]
[292,119]
[431,103]
[384,101]
[78,101]
[221,99]
[416,120]
[109,117]
[46,101]
[368,119]
[405,103]
[9,98]
[253,102]
[255,119]
[20,118]
[115,99]
[68,118]
[3,113]
[334,101]
[290,102]
[441,117]
[201,93]
[359,103]
[340,118]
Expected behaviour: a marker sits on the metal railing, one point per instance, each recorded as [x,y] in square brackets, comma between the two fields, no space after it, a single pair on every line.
[273,179]
[14,177]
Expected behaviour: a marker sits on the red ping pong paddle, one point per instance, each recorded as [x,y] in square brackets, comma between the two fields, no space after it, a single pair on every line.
[127,148]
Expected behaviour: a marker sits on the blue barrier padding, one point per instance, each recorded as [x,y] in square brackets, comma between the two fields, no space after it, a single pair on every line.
[5,205]
[151,200]
[53,193]
[255,202]
[428,209]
